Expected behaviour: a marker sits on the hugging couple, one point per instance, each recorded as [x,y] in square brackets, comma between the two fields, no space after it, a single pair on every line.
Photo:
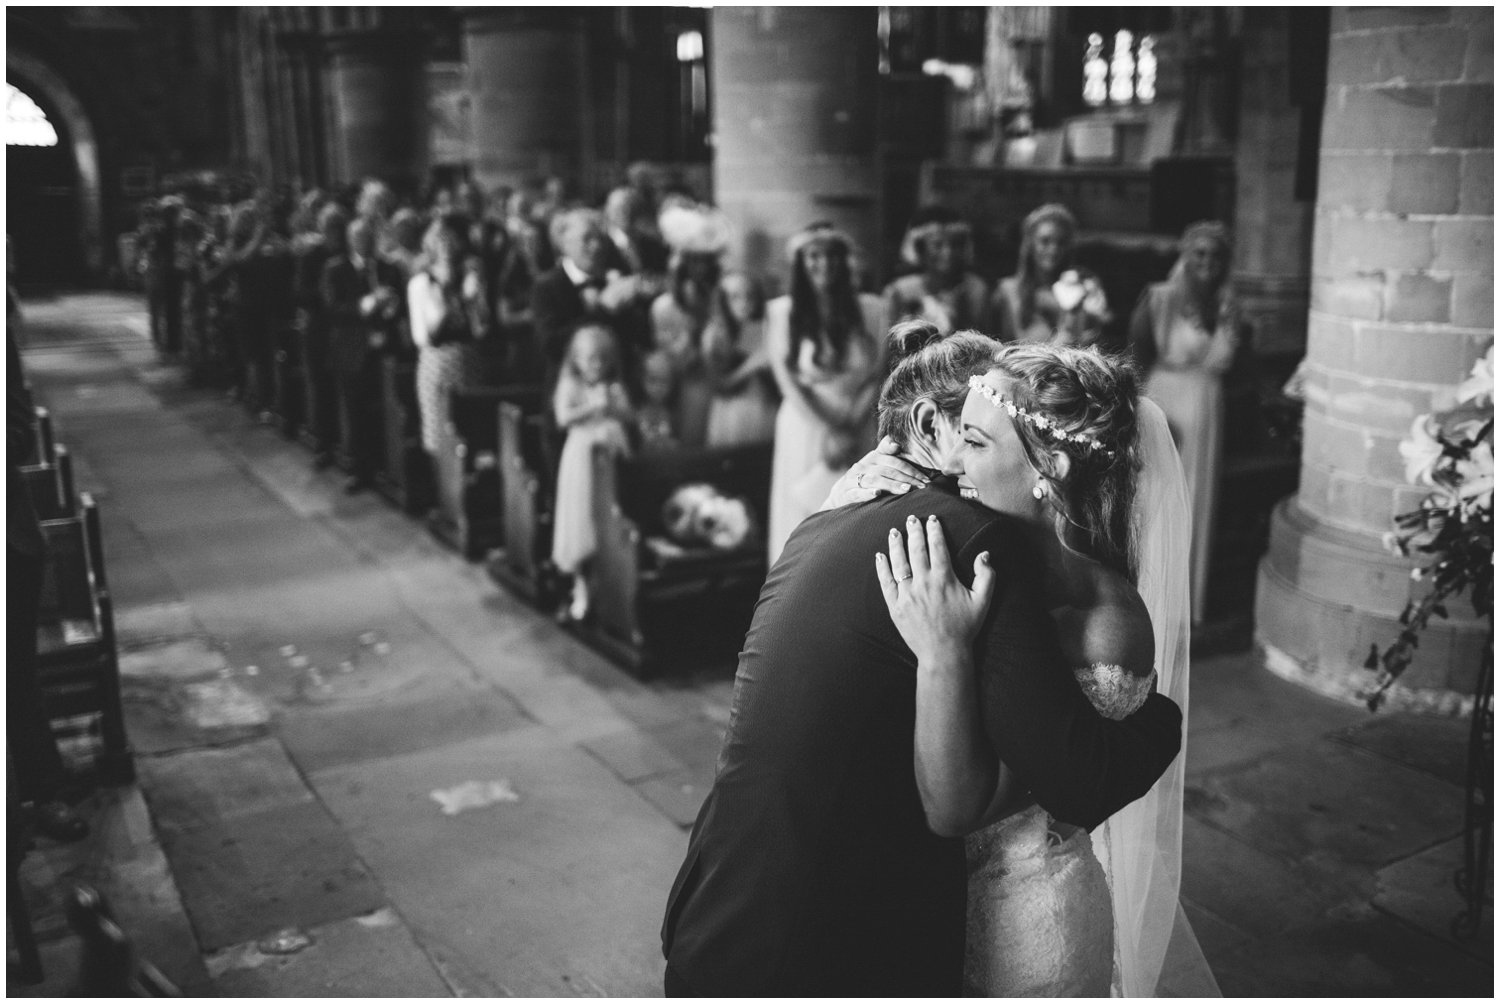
[952,758]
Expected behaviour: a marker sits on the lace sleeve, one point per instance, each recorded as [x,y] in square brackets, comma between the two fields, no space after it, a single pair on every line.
[1112,691]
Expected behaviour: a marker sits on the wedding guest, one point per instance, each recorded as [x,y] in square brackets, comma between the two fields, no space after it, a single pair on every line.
[1026,305]
[321,420]
[404,248]
[743,409]
[361,294]
[1185,336]
[826,343]
[580,289]
[944,290]
[449,313]
[656,418]
[592,408]
[698,236]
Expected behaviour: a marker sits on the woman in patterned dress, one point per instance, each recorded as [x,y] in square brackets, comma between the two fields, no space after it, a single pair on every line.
[450,313]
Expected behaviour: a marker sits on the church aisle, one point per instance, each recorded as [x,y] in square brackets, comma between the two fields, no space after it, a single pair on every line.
[313,686]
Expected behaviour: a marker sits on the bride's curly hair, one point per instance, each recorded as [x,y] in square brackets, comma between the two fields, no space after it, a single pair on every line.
[1086,393]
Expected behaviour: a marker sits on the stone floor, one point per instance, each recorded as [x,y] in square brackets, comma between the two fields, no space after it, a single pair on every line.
[364,769]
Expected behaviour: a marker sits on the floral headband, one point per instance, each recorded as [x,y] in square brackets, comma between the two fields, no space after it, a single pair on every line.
[1035,419]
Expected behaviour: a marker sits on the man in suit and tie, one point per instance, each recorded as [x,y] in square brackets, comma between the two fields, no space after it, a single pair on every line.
[362,301]
[585,287]
[812,870]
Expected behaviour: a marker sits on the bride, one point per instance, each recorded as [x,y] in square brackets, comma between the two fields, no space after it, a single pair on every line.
[1059,439]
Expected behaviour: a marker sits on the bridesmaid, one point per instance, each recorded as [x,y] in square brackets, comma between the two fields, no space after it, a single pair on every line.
[826,343]
[1185,336]
[744,404]
[1026,306]
[944,291]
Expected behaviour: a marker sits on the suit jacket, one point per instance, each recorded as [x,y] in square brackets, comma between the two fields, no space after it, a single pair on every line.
[557,310]
[341,288]
[811,869]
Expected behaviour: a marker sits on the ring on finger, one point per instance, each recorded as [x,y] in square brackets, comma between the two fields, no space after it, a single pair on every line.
[903,578]
[859,480]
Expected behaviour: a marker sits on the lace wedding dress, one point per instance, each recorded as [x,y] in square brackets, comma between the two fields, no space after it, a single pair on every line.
[1041,923]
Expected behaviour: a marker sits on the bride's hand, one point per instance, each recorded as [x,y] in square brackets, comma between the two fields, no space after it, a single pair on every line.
[937,615]
[879,471]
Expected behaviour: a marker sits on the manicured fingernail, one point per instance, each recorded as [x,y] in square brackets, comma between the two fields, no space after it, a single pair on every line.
[984,557]
[904,489]
[895,532]
[932,519]
[912,519]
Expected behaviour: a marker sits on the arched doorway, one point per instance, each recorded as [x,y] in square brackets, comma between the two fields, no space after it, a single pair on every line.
[41,191]
[68,246]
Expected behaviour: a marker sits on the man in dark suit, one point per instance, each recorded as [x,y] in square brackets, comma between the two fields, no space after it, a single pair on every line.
[811,870]
[582,287]
[362,300]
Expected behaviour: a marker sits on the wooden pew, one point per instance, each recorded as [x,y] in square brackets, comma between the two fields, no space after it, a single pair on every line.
[655,604]
[45,441]
[51,487]
[467,468]
[528,472]
[109,965]
[405,477]
[77,662]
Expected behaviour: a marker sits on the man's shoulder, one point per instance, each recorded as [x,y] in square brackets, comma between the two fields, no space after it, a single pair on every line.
[961,519]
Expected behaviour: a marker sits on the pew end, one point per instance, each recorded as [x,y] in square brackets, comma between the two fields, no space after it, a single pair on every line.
[468,473]
[527,453]
[77,661]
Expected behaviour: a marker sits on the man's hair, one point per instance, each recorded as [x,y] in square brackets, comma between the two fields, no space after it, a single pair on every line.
[929,364]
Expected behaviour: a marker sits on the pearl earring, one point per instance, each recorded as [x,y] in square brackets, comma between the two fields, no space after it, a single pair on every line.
[1038,491]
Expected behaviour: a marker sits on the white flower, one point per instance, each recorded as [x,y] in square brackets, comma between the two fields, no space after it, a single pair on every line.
[1480,387]
[1094,302]
[1421,450]
[1476,475]
[1069,290]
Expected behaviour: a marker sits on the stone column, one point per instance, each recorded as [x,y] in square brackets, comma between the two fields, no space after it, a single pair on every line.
[304,56]
[528,79]
[795,94]
[378,84]
[1272,229]
[1402,306]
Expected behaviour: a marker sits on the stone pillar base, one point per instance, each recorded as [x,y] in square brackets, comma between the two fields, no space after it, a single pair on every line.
[1326,595]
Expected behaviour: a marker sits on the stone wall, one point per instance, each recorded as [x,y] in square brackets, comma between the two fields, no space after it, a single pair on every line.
[1402,306]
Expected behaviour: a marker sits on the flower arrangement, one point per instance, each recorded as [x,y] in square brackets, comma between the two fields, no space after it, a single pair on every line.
[1085,309]
[1453,453]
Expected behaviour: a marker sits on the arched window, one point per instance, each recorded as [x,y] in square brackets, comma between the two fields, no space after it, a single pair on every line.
[1122,77]
[25,122]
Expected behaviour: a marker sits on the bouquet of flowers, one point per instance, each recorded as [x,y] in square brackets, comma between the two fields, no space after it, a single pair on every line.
[1085,309]
[1453,453]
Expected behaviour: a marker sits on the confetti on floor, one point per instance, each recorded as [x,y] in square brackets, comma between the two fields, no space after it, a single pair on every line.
[474,795]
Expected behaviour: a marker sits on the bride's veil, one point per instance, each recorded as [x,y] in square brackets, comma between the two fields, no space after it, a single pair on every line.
[1141,845]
